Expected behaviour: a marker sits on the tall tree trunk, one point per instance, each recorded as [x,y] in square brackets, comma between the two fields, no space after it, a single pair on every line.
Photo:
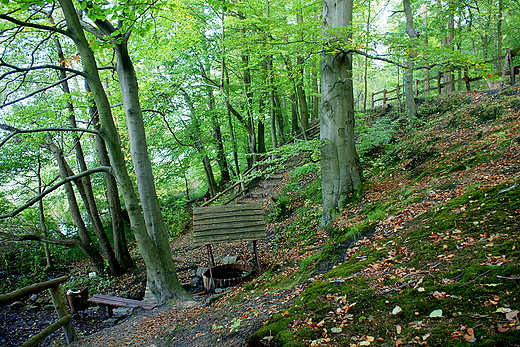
[85,184]
[340,166]
[498,37]
[365,63]
[164,283]
[43,226]
[272,104]
[87,245]
[196,137]
[122,253]
[426,75]
[448,42]
[408,74]
[151,238]
[219,142]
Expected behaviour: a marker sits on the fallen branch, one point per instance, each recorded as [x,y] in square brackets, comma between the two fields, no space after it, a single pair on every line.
[509,278]
[476,278]
[507,189]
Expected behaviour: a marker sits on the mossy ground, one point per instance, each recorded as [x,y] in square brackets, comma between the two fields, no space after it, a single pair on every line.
[443,234]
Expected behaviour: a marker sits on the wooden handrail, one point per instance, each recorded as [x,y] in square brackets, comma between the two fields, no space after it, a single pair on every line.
[59,304]
[439,85]
[8,298]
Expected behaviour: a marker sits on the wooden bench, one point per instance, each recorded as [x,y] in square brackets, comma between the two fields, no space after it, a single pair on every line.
[229,223]
[109,301]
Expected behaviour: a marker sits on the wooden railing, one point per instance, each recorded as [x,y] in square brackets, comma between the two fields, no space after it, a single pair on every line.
[509,69]
[64,317]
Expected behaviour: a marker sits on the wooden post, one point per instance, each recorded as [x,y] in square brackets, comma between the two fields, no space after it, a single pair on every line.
[255,250]
[416,88]
[62,311]
[509,60]
[384,100]
[211,265]
[466,80]
[439,85]
[210,255]
[373,100]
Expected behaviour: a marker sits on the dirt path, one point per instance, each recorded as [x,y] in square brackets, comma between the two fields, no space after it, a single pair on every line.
[228,321]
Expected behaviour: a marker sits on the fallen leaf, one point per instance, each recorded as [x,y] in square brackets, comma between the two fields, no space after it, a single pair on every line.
[370,338]
[398,328]
[502,329]
[511,316]
[436,314]
[399,342]
[336,330]
[456,334]
[503,310]
[397,310]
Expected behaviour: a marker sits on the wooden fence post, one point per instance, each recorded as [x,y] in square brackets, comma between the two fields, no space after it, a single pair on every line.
[466,80]
[62,311]
[439,85]
[509,61]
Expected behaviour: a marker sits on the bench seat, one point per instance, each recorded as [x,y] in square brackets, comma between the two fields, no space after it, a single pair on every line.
[109,301]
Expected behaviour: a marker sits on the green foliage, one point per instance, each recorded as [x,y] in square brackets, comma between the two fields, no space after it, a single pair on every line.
[372,137]
[176,216]
[96,284]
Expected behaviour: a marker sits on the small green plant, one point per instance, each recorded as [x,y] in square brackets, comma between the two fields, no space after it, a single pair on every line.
[233,328]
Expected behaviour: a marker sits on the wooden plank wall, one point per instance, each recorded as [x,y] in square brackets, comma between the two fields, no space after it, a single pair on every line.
[228,223]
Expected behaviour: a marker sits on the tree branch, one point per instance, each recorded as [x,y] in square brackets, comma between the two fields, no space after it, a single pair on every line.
[31,237]
[14,131]
[169,127]
[54,187]
[375,57]
[16,69]
[38,91]
[33,25]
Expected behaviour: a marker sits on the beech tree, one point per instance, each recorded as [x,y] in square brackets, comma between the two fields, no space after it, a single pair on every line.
[340,167]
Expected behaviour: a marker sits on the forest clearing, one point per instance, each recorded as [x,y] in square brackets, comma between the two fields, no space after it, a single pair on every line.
[147,149]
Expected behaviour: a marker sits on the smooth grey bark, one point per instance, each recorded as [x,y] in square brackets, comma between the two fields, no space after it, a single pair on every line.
[340,166]
[148,230]
[411,109]
[43,224]
[121,251]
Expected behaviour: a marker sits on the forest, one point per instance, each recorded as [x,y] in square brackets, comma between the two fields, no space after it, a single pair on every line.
[118,118]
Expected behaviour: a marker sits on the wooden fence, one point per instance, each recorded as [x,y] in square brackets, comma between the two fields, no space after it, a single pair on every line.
[64,317]
[509,70]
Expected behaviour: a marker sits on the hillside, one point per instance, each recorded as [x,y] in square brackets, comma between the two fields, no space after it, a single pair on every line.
[427,255]
[436,261]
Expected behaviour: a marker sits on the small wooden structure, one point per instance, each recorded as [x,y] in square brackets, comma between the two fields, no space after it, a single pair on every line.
[229,223]
[78,299]
[109,302]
